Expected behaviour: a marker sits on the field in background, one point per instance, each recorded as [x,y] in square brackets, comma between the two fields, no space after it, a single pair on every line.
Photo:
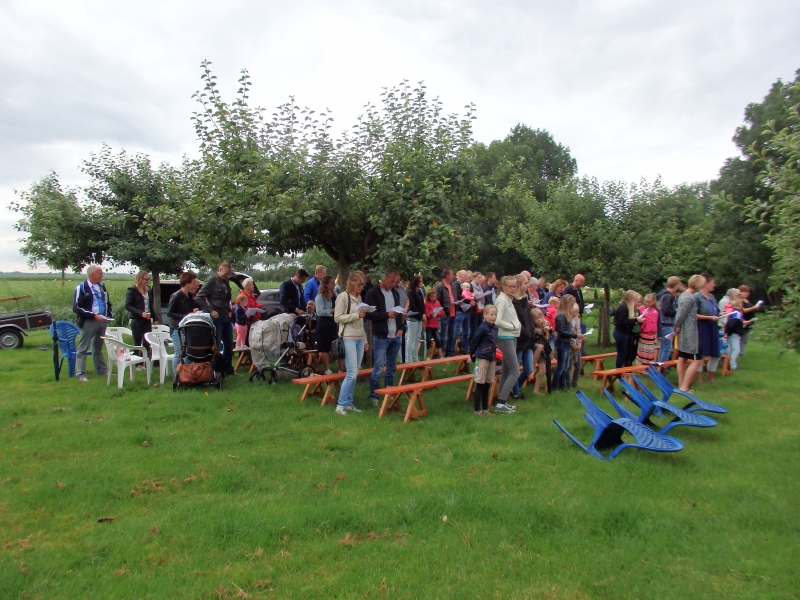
[249,493]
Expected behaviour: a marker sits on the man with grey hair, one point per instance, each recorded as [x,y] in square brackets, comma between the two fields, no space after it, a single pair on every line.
[93,307]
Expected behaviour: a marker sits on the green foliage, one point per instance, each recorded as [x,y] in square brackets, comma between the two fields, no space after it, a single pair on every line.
[739,254]
[392,190]
[780,214]
[526,161]
[62,232]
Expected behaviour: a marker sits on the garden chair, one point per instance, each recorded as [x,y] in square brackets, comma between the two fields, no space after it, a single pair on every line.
[64,336]
[694,404]
[158,352]
[647,410]
[118,332]
[122,356]
[608,433]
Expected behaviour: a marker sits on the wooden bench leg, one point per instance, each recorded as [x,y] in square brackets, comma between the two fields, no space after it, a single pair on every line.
[394,406]
[493,392]
[331,395]
[411,412]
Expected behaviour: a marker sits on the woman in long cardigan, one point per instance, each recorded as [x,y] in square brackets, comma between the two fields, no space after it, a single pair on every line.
[686,328]
[139,303]
[508,330]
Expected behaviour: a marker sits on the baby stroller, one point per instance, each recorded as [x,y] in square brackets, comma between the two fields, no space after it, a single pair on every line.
[274,347]
[199,348]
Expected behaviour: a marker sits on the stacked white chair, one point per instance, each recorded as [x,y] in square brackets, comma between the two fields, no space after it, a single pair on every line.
[125,356]
[158,352]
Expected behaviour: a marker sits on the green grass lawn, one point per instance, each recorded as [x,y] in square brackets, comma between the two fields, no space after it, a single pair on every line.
[248,492]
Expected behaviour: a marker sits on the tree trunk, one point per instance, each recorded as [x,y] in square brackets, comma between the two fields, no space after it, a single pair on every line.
[604,338]
[62,277]
[156,308]
[344,272]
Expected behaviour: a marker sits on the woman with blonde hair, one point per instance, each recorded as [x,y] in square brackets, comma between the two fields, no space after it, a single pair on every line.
[686,328]
[351,329]
[565,332]
[508,330]
[139,303]
[626,319]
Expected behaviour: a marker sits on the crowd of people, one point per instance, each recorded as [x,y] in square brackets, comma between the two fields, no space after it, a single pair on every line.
[518,319]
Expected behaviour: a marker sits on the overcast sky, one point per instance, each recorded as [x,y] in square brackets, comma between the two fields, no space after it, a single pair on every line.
[634,88]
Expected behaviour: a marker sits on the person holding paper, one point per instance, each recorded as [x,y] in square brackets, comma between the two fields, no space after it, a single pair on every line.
[249,290]
[444,294]
[350,322]
[139,304]
[387,329]
[326,330]
[747,309]
[416,322]
[432,311]
[93,307]
[708,326]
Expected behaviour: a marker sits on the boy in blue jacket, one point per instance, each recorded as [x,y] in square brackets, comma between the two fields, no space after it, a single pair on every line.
[483,347]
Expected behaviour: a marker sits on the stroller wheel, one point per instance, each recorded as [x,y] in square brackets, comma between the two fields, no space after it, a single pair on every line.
[306,372]
[255,376]
[273,377]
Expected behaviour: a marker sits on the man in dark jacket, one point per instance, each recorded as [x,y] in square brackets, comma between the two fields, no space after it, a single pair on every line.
[575,289]
[667,308]
[387,330]
[291,294]
[93,307]
[215,298]
[444,294]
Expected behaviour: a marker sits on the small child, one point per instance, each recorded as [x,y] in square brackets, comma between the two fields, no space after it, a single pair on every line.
[648,331]
[241,321]
[574,348]
[541,347]
[734,329]
[483,347]
[550,313]
[432,324]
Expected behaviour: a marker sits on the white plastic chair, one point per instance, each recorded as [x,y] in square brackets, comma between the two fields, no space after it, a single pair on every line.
[126,359]
[160,329]
[118,332]
[158,352]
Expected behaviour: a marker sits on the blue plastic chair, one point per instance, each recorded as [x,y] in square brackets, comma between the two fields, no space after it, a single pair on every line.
[608,433]
[694,404]
[647,409]
[64,335]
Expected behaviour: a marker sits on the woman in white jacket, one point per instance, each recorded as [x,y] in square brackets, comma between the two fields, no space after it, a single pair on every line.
[508,330]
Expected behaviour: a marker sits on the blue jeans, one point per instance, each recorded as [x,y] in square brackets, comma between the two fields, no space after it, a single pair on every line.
[561,375]
[665,351]
[525,358]
[622,340]
[384,352]
[176,344]
[446,326]
[353,355]
[461,329]
[224,344]
[413,336]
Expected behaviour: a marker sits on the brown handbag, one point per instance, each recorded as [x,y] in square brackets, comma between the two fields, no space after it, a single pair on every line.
[194,373]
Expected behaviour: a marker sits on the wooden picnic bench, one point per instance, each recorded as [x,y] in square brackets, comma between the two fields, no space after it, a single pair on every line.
[597,360]
[609,376]
[409,370]
[413,393]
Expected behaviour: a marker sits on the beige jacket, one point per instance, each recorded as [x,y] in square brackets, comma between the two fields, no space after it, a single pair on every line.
[507,321]
[350,324]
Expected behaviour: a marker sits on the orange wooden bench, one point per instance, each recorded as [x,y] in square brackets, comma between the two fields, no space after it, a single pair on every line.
[609,376]
[409,370]
[413,393]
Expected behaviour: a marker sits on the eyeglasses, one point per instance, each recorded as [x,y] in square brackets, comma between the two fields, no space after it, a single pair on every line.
[509,286]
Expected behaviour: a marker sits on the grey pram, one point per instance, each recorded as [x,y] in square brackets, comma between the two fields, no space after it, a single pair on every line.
[273,347]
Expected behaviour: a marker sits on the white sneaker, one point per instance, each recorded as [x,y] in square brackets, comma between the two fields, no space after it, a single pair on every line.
[341,410]
[503,408]
[351,408]
[328,372]
[83,378]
